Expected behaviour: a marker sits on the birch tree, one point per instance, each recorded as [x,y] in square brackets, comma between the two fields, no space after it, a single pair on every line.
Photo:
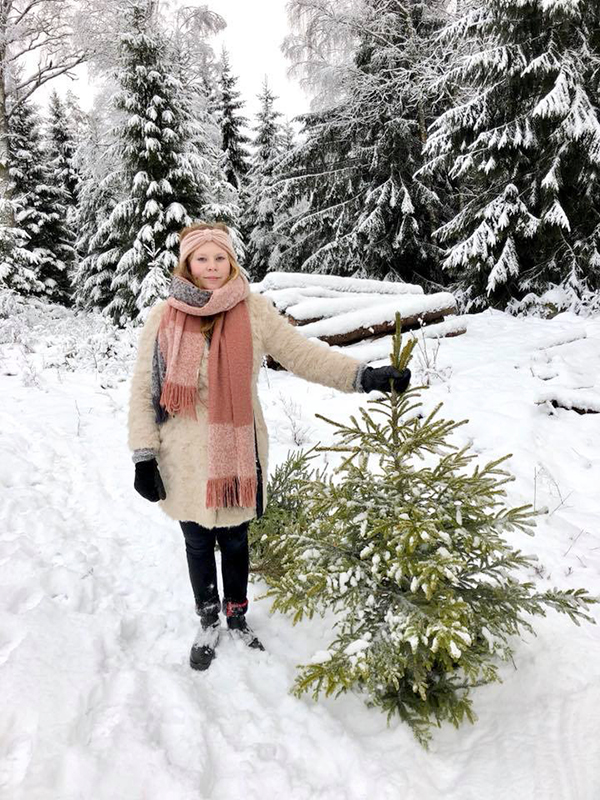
[36,46]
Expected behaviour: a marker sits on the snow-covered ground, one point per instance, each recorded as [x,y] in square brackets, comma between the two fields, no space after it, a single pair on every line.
[97,616]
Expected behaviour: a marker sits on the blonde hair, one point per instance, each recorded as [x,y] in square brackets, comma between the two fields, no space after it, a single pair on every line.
[183,268]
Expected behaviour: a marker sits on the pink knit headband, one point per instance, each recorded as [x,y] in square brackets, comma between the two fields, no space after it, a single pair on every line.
[198,238]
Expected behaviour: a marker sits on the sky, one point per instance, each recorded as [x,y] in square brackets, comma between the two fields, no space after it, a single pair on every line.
[254,33]
[253,36]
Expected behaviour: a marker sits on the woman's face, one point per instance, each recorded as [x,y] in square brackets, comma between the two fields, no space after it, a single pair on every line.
[209,264]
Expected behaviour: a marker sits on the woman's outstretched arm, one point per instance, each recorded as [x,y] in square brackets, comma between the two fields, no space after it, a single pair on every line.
[308,359]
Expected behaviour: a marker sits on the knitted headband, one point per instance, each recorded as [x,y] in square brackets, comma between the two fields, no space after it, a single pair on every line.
[198,238]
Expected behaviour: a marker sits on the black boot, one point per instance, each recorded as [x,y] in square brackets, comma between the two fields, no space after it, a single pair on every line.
[207,638]
[238,627]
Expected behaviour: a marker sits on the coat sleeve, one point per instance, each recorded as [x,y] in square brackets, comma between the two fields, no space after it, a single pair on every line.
[143,438]
[309,360]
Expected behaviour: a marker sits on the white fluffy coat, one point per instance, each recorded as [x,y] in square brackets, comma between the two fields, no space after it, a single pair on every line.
[181,442]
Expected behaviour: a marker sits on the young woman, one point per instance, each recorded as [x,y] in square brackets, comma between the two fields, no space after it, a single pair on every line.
[196,427]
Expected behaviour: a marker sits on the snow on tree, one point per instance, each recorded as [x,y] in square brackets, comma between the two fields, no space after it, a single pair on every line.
[288,136]
[194,63]
[523,143]
[36,46]
[404,542]
[365,214]
[163,174]
[235,159]
[61,146]
[40,210]
[259,199]
[99,243]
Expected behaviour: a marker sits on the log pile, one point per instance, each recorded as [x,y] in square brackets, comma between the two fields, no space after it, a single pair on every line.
[344,311]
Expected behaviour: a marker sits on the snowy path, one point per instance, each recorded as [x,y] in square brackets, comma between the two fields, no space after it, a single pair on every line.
[96,617]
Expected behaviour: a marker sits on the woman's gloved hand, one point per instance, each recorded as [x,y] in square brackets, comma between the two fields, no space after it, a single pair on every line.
[148,481]
[379,378]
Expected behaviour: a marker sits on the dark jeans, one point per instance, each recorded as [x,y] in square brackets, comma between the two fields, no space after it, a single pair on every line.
[200,551]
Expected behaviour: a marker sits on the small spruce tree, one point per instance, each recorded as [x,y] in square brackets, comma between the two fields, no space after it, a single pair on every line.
[405,543]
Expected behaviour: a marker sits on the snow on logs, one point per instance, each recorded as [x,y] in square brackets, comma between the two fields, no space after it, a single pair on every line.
[343,311]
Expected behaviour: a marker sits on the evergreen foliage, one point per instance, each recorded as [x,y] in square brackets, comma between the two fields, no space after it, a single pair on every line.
[523,143]
[235,158]
[258,198]
[44,258]
[405,543]
[61,147]
[365,213]
[163,174]
[17,264]
[285,506]
[100,243]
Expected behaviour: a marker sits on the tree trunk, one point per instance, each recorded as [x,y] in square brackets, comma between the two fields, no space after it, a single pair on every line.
[6,211]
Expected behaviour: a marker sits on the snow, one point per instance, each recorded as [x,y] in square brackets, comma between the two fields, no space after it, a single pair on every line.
[378,314]
[97,616]
[294,280]
[327,307]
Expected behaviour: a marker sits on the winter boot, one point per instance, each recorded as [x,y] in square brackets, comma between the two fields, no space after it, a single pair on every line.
[207,638]
[238,627]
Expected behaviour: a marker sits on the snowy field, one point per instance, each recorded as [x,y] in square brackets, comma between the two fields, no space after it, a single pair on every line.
[97,619]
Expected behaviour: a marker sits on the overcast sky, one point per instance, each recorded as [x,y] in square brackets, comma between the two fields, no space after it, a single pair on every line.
[254,33]
[255,30]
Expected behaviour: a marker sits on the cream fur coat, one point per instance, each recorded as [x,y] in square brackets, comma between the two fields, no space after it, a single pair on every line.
[181,443]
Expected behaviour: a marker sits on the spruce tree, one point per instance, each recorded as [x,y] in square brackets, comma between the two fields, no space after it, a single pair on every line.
[40,210]
[162,172]
[61,146]
[235,158]
[259,200]
[405,543]
[366,214]
[288,136]
[524,143]
[100,243]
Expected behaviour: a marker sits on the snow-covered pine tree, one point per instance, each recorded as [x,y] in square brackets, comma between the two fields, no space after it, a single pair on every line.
[17,264]
[288,136]
[235,158]
[524,142]
[100,243]
[165,187]
[61,146]
[366,214]
[404,542]
[39,209]
[258,198]
[193,62]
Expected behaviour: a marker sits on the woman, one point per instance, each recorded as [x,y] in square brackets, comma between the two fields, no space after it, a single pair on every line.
[196,427]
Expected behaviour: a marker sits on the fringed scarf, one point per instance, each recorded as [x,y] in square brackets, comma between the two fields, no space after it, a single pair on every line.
[178,352]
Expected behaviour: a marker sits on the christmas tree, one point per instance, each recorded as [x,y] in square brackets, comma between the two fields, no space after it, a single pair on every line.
[404,542]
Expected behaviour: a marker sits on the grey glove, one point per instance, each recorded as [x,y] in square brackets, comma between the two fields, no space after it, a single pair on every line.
[379,378]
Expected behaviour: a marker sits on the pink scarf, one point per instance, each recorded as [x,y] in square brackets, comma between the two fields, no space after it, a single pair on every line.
[231,455]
